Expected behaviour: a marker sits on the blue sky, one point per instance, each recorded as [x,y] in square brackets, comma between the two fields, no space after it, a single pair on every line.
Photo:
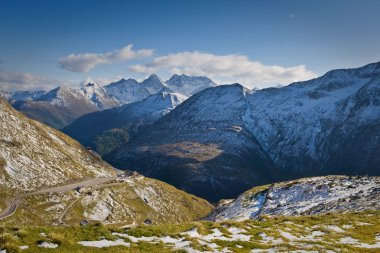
[258,43]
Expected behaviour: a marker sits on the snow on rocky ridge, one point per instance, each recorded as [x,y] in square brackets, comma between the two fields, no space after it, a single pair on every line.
[303,197]
[328,125]
[189,85]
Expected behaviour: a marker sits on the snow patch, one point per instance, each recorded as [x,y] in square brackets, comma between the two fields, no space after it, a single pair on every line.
[48,245]
[104,243]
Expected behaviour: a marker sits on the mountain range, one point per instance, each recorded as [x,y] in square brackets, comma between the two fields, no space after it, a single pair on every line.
[217,143]
[226,139]
[61,106]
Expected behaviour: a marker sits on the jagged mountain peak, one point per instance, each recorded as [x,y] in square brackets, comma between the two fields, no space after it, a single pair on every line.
[122,82]
[153,76]
[185,77]
[153,84]
[127,91]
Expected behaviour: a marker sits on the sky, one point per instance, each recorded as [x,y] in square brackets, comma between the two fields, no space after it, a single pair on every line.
[46,43]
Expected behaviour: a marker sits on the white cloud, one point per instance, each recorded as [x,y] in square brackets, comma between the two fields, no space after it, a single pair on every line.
[10,81]
[226,69]
[87,61]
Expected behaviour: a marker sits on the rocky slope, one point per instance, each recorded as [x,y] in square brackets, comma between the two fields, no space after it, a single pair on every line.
[226,139]
[307,196]
[34,156]
[110,129]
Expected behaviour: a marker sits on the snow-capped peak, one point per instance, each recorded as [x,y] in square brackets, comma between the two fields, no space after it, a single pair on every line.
[153,84]
[98,95]
[189,85]
[127,91]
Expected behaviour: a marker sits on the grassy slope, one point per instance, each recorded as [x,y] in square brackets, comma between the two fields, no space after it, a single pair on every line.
[67,237]
[165,205]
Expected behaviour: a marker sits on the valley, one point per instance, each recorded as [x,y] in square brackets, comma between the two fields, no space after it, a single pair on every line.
[196,126]
[218,143]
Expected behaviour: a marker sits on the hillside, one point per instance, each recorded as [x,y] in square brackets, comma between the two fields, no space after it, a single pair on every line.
[308,196]
[344,232]
[224,140]
[41,170]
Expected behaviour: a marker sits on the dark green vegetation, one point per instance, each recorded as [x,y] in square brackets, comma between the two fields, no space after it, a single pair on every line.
[112,139]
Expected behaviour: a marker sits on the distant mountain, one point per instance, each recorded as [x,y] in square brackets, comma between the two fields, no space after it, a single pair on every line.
[98,95]
[153,84]
[57,108]
[60,106]
[189,85]
[110,129]
[34,158]
[226,139]
[307,196]
[127,91]
[14,96]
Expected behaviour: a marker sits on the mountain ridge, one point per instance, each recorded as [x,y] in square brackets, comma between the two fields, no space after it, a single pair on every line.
[304,129]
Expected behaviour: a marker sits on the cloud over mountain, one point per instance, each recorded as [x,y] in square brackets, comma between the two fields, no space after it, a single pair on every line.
[226,69]
[23,81]
[87,61]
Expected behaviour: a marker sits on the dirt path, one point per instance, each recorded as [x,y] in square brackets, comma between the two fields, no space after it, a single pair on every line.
[11,209]
[62,215]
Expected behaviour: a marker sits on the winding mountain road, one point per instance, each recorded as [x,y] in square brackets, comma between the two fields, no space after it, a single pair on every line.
[11,209]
